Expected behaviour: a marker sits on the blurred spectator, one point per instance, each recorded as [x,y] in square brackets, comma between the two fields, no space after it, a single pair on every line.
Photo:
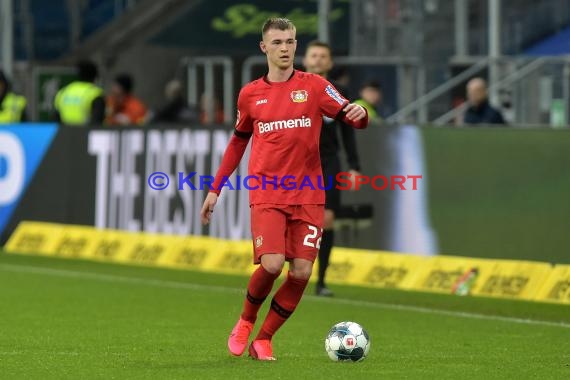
[340,76]
[81,102]
[12,106]
[218,111]
[371,98]
[123,108]
[176,110]
[318,60]
[480,111]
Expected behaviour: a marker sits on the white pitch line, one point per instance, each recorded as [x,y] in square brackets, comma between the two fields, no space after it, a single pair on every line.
[225,289]
[19,353]
[113,278]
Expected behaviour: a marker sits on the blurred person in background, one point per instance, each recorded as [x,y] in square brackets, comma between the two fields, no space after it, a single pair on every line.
[480,111]
[176,109]
[371,99]
[218,111]
[81,102]
[12,106]
[318,60]
[341,77]
[123,108]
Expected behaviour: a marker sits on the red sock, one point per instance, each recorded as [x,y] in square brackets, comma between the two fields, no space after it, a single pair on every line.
[283,305]
[258,288]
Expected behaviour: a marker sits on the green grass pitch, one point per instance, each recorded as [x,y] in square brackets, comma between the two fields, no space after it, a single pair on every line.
[63,319]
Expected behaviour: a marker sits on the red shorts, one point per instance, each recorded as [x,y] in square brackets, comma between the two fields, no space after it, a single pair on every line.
[292,230]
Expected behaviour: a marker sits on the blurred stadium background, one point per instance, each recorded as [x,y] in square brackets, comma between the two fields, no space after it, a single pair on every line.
[494,197]
[485,192]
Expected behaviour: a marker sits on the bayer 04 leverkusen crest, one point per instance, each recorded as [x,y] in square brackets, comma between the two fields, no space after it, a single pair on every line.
[299,96]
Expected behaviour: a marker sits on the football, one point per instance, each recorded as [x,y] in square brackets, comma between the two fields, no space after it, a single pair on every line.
[347,341]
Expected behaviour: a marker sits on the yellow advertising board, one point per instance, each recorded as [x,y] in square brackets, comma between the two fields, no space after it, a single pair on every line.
[148,249]
[189,252]
[230,257]
[112,246]
[512,279]
[439,274]
[556,287]
[76,242]
[34,238]
[344,266]
[373,268]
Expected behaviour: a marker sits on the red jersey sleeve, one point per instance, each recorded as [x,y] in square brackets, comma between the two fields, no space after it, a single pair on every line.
[244,123]
[332,103]
[237,145]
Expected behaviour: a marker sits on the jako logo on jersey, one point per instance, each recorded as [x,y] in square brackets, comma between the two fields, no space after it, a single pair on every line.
[304,122]
[334,94]
[261,101]
[299,96]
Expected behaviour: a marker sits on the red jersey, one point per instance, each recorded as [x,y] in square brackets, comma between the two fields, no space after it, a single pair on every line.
[285,120]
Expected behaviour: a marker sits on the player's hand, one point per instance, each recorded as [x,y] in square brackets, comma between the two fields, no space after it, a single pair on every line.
[208,208]
[354,112]
[353,175]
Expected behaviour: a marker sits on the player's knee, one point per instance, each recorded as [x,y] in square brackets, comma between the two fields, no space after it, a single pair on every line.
[273,263]
[302,272]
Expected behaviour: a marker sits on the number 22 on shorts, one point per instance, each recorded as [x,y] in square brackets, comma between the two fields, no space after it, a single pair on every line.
[309,238]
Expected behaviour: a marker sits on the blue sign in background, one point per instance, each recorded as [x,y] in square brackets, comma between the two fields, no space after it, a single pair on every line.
[35,139]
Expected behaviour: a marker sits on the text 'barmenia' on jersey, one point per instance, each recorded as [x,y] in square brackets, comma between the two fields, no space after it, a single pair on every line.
[304,122]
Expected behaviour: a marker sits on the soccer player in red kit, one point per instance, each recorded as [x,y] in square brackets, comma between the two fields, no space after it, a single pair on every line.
[283,112]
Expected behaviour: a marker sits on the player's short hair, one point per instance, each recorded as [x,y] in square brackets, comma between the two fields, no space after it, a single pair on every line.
[317,43]
[280,23]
